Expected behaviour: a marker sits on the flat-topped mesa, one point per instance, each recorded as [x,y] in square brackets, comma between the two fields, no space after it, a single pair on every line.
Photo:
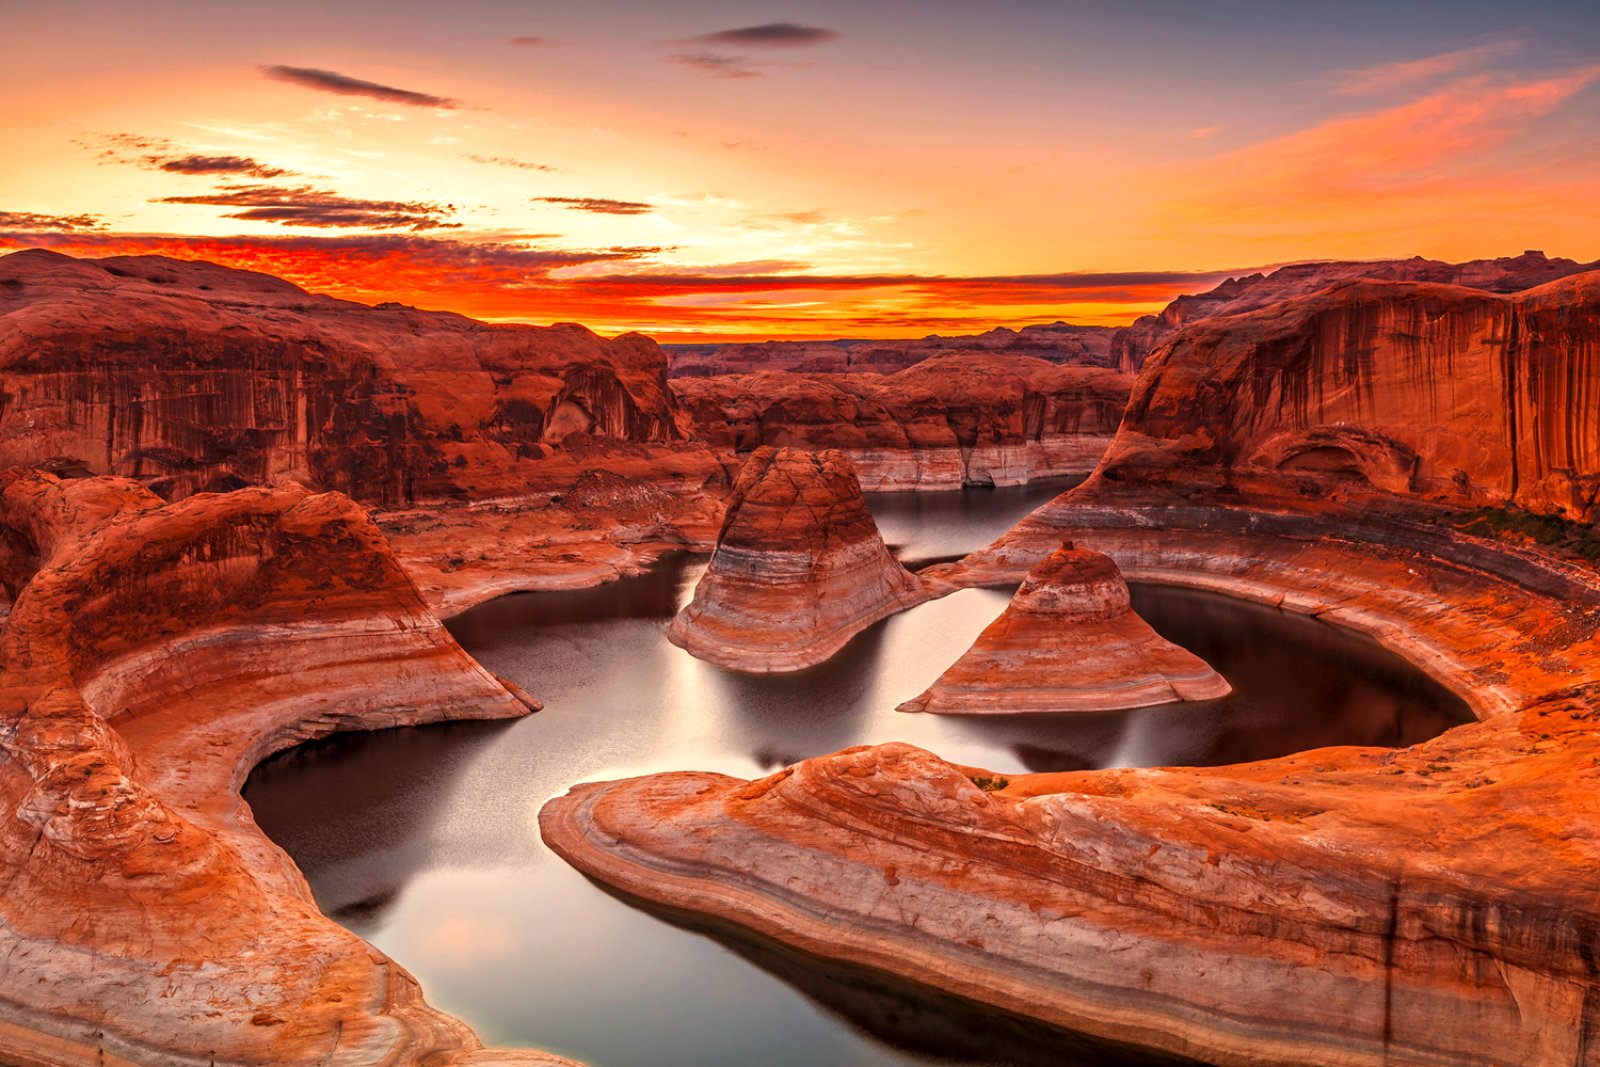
[1069,641]
[799,568]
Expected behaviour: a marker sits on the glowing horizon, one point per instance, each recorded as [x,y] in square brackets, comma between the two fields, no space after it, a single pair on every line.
[719,170]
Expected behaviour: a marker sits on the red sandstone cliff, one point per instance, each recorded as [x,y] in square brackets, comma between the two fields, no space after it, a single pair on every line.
[799,568]
[154,653]
[965,418]
[190,376]
[1131,344]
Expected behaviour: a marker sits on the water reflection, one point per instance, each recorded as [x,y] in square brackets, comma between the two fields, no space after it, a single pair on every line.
[424,840]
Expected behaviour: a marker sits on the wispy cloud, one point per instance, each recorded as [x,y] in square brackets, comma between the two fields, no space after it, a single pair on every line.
[769,35]
[34,222]
[598,205]
[528,42]
[507,161]
[717,66]
[1402,74]
[333,82]
[305,206]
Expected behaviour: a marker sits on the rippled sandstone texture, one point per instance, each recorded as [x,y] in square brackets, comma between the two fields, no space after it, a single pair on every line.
[1345,906]
[965,418]
[1057,342]
[153,654]
[1131,344]
[1069,641]
[799,568]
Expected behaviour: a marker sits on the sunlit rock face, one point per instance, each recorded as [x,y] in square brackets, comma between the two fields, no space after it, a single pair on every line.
[967,418]
[1131,344]
[798,570]
[189,376]
[153,654]
[1431,391]
[1058,342]
[1069,641]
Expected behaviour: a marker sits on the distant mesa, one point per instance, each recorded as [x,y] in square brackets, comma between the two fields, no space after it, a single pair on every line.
[799,568]
[1069,641]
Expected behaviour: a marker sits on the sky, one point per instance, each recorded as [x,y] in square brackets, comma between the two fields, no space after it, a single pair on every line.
[708,170]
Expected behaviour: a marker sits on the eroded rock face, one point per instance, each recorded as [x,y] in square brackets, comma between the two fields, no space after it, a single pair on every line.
[1069,641]
[1431,391]
[154,654]
[1057,342]
[189,376]
[966,418]
[1131,344]
[799,568]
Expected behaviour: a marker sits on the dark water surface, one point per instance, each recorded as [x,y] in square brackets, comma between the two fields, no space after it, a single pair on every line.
[424,840]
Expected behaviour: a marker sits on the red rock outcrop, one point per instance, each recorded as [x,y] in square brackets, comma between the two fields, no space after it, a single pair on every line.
[153,655]
[964,418]
[1057,342]
[1439,392]
[799,568]
[1131,344]
[1069,641]
[189,376]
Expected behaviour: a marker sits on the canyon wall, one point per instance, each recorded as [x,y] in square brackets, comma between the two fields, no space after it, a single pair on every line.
[1131,344]
[1432,391]
[189,376]
[965,418]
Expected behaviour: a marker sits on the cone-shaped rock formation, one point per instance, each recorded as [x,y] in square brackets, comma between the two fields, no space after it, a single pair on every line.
[1069,641]
[799,568]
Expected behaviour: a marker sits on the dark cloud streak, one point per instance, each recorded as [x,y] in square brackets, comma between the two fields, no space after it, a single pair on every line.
[305,206]
[717,66]
[197,164]
[329,81]
[33,222]
[598,205]
[770,35]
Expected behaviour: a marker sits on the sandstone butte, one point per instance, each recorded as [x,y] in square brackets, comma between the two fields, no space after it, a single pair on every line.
[1509,274]
[1344,906]
[1056,342]
[153,654]
[952,420]
[798,570]
[1069,641]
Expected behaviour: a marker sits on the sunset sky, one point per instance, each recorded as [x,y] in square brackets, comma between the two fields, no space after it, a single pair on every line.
[802,168]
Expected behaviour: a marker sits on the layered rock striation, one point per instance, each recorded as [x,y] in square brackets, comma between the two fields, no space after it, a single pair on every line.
[189,376]
[966,418]
[153,654]
[1131,344]
[1069,641]
[798,570]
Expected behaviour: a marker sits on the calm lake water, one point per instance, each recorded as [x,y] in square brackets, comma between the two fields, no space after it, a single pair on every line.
[424,840]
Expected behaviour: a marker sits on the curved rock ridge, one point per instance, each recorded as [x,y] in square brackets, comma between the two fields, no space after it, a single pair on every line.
[963,418]
[1069,641]
[1130,345]
[1345,906]
[153,655]
[1056,342]
[1427,391]
[190,376]
[798,570]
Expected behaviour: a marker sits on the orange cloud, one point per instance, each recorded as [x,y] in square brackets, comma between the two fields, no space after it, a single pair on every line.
[1386,77]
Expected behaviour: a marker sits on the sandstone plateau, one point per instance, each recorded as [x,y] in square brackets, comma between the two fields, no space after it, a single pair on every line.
[1057,342]
[798,570]
[1344,906]
[152,655]
[962,418]
[1069,641]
